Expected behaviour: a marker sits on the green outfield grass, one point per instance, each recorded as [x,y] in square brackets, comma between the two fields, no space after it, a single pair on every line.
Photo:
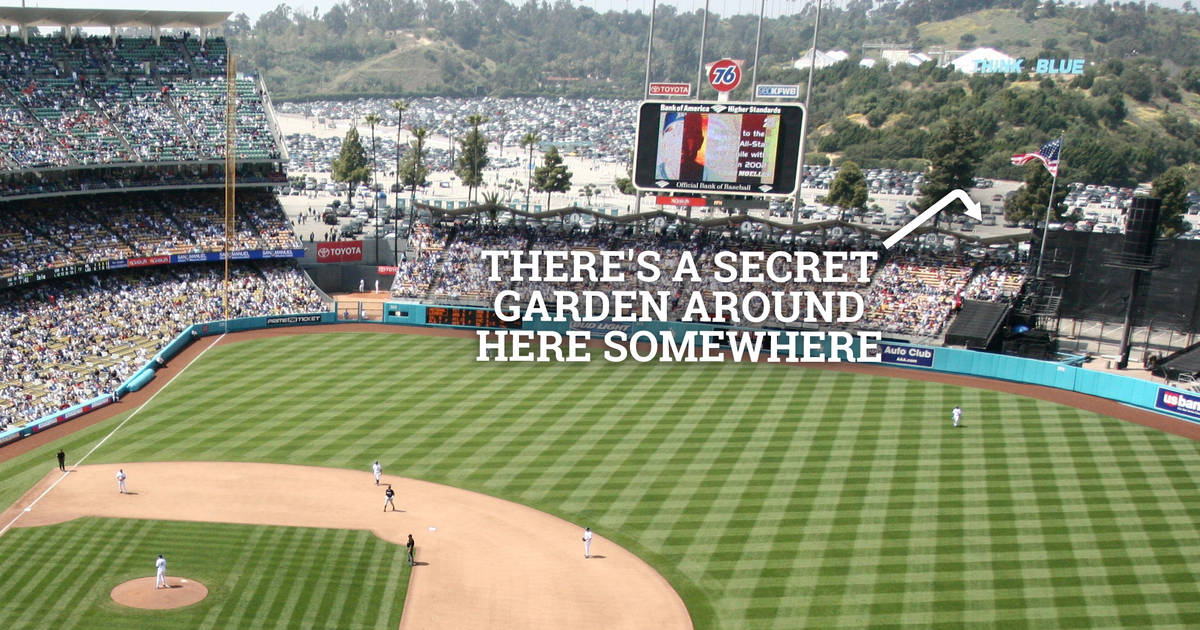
[258,577]
[769,496]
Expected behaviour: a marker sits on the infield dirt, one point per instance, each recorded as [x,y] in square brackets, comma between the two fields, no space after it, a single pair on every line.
[140,593]
[482,562]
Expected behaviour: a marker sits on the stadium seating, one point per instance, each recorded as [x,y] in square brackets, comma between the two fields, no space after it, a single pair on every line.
[68,341]
[907,294]
[89,102]
[47,233]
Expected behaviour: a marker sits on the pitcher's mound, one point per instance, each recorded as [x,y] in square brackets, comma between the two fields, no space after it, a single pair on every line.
[140,593]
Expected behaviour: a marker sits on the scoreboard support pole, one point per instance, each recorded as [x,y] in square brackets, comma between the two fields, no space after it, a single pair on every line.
[812,63]
[637,198]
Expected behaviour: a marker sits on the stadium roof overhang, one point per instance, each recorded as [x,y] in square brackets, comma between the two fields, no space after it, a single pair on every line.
[732,220]
[112,18]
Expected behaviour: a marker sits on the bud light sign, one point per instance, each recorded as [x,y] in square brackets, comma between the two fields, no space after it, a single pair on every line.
[1178,403]
[910,356]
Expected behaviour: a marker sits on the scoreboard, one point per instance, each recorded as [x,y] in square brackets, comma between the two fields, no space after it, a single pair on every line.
[64,271]
[718,148]
[469,317]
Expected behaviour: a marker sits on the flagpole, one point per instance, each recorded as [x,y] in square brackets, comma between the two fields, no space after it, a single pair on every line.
[1049,207]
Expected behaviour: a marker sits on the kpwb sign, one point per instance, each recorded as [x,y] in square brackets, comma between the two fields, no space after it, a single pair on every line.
[777,91]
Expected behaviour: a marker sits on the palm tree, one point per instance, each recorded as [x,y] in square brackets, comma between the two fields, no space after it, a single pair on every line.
[474,120]
[528,141]
[400,107]
[419,138]
[372,119]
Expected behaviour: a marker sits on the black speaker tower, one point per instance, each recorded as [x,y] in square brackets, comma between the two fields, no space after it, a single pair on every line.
[1137,255]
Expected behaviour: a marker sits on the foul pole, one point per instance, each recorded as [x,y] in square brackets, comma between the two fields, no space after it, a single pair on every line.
[230,168]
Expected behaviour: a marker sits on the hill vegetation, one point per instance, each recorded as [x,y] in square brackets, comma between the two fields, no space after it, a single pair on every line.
[1126,119]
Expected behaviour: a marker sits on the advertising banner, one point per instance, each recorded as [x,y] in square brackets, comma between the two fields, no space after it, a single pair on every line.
[599,329]
[339,251]
[1178,402]
[293,320]
[146,261]
[910,356]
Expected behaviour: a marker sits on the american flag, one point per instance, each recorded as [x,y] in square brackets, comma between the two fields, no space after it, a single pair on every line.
[1047,155]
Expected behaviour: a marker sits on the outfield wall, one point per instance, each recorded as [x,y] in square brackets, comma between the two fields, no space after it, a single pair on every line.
[1178,403]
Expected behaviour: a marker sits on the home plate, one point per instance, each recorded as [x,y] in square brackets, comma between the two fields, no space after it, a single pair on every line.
[433,529]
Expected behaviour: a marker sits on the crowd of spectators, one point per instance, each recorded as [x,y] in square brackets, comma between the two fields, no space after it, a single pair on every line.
[89,102]
[65,342]
[47,233]
[915,294]
[996,282]
[907,293]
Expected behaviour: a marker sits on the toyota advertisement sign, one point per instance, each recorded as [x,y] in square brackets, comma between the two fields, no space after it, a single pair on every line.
[339,251]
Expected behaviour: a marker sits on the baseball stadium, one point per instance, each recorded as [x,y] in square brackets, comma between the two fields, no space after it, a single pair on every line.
[189,372]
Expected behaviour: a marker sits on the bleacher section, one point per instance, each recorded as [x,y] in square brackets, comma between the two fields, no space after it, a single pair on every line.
[69,341]
[89,102]
[45,234]
[914,295]
[906,295]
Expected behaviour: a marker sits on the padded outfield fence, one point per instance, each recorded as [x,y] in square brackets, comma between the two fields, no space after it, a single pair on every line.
[1175,402]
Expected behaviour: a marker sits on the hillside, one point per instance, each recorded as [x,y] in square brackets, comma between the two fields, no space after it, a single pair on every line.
[1137,98]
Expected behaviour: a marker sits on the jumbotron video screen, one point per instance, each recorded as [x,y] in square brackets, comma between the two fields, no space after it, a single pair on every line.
[730,148]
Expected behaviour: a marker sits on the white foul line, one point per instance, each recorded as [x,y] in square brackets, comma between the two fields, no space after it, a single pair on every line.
[41,496]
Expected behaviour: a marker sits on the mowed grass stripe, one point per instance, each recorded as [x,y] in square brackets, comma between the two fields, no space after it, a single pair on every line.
[255,574]
[771,496]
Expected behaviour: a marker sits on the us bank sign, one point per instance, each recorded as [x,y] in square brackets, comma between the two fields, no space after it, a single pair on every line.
[1017,66]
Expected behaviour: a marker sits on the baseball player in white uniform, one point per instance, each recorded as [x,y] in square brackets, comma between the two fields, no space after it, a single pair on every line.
[378,470]
[587,542]
[121,480]
[160,572]
[957,414]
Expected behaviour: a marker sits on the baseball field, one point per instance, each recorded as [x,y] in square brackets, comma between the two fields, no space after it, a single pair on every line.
[768,496]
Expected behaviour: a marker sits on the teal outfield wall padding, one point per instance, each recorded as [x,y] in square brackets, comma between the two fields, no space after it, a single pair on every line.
[139,380]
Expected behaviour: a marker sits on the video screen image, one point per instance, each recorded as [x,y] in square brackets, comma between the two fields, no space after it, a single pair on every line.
[732,148]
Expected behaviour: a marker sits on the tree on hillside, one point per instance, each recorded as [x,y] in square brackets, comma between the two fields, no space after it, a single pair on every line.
[528,141]
[1029,10]
[951,155]
[1030,200]
[849,189]
[552,176]
[472,157]
[350,166]
[1171,187]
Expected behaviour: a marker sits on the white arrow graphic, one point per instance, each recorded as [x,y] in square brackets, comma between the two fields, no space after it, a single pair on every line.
[974,210]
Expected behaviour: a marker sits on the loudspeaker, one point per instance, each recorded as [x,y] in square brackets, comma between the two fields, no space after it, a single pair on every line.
[1141,228]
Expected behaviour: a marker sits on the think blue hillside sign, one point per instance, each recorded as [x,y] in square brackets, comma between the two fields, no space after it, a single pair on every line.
[1017,66]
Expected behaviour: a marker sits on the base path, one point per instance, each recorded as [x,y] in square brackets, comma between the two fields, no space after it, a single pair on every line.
[482,562]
